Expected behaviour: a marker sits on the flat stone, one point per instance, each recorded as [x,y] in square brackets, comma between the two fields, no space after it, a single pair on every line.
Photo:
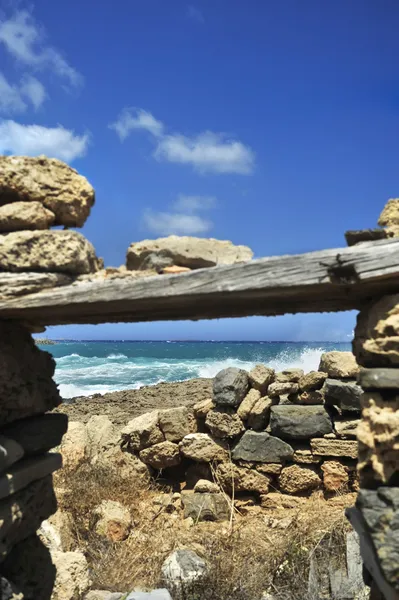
[258,417]
[37,434]
[296,480]
[205,507]
[10,452]
[382,378]
[289,375]
[56,251]
[237,479]
[312,381]
[346,428]
[260,377]
[274,500]
[58,187]
[161,456]
[175,423]
[262,447]
[339,364]
[201,409]
[305,457]
[346,395]
[281,389]
[230,387]
[299,422]
[202,448]
[142,432]
[192,252]
[224,423]
[358,236]
[338,448]
[27,470]
[248,403]
[20,216]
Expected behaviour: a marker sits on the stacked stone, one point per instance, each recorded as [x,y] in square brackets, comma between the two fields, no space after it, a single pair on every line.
[388,226]
[290,432]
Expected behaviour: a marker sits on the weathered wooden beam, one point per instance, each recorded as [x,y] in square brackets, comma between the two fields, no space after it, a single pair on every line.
[329,280]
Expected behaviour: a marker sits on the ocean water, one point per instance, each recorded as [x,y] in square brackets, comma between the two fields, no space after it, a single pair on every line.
[86,367]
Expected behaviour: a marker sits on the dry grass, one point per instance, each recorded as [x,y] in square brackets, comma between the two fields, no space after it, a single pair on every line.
[262,550]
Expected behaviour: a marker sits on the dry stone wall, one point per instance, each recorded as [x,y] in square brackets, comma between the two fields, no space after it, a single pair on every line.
[262,432]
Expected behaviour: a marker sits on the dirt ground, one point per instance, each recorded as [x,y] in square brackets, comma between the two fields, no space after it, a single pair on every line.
[122,406]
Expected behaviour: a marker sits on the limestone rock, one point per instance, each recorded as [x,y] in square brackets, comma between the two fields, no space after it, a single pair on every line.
[339,364]
[299,422]
[344,394]
[159,594]
[335,476]
[202,448]
[72,580]
[258,417]
[248,403]
[296,480]
[346,428]
[174,270]
[260,377]
[104,595]
[376,342]
[102,435]
[58,187]
[161,456]
[390,213]
[270,469]
[274,500]
[230,477]
[312,381]
[201,409]
[183,567]
[378,434]
[305,457]
[20,216]
[142,432]
[205,506]
[230,387]
[204,486]
[338,448]
[262,447]
[56,251]
[75,446]
[113,521]
[289,375]
[281,389]
[191,252]
[175,423]
[224,423]
[310,398]
[61,526]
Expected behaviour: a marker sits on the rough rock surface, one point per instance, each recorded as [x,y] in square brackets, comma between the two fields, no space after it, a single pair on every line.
[202,448]
[289,375]
[376,341]
[142,432]
[304,456]
[201,409]
[299,422]
[335,476]
[191,252]
[339,364]
[75,446]
[261,447]
[259,415]
[239,479]
[274,500]
[312,381]
[103,595]
[310,398]
[344,394]
[114,520]
[248,403]
[338,448]
[175,423]
[183,567]
[346,428]
[390,213]
[261,377]
[161,456]
[158,594]
[224,423]
[282,388]
[378,435]
[102,436]
[230,387]
[204,486]
[72,579]
[20,216]
[49,181]
[296,479]
[205,506]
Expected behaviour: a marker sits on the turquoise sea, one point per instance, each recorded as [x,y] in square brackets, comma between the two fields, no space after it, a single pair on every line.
[89,367]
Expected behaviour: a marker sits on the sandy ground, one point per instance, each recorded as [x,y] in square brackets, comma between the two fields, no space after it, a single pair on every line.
[120,407]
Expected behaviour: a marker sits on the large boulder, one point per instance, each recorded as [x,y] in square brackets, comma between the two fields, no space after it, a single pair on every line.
[339,364]
[57,251]
[240,479]
[161,456]
[224,423]
[183,567]
[344,394]
[312,381]
[261,377]
[75,446]
[191,252]
[113,521]
[102,436]
[289,375]
[376,341]
[202,448]
[299,422]
[208,506]
[297,480]
[58,187]
[230,387]
[142,432]
[259,446]
[20,216]
[175,423]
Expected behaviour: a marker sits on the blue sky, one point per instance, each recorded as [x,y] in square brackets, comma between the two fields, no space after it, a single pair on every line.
[273,124]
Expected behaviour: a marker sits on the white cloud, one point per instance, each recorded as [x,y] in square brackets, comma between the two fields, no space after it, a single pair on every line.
[194,203]
[24,40]
[195,14]
[131,119]
[10,97]
[162,223]
[207,152]
[33,90]
[32,140]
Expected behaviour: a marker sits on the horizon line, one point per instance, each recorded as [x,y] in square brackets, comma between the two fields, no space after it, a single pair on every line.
[199,341]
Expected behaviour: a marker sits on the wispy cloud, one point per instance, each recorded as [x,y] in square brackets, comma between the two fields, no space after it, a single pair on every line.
[33,90]
[24,39]
[162,223]
[32,140]
[10,97]
[193,203]
[207,152]
[195,14]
